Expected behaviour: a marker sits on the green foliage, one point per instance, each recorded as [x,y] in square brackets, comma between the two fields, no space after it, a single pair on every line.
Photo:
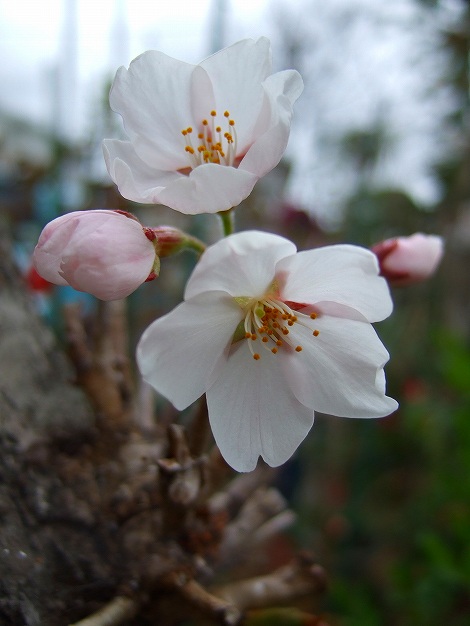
[392,510]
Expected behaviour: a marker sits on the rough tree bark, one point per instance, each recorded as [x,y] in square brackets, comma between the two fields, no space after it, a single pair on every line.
[106,516]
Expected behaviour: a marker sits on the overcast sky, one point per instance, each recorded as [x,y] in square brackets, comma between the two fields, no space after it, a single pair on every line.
[365,62]
[108,33]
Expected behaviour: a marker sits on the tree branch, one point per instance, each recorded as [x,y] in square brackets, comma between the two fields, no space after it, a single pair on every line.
[299,578]
[116,612]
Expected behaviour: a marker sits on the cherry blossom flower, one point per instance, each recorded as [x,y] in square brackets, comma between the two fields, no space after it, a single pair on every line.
[200,136]
[105,253]
[270,335]
[407,260]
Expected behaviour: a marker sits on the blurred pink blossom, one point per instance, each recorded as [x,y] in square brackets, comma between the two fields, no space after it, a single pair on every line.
[105,253]
[408,260]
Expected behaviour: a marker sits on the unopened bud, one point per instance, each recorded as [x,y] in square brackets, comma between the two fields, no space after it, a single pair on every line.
[168,239]
[408,260]
[101,252]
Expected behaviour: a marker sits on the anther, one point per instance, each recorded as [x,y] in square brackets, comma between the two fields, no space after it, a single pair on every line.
[313,316]
[256,356]
[298,349]
[274,350]
[213,113]
[316,333]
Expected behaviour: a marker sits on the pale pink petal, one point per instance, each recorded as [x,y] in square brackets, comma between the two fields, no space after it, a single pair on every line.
[62,234]
[154,98]
[339,372]
[412,259]
[242,264]
[110,265]
[344,274]
[209,188]
[254,413]
[237,73]
[181,353]
[136,180]
[47,255]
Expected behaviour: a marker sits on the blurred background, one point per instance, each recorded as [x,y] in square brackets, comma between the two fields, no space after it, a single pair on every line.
[380,146]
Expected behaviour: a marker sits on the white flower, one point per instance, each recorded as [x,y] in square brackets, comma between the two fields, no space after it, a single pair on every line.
[200,135]
[270,335]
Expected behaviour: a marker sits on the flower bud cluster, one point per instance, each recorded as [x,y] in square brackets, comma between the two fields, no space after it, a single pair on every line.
[105,253]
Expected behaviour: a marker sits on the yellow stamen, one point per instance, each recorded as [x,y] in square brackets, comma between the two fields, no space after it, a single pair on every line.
[211,149]
[269,319]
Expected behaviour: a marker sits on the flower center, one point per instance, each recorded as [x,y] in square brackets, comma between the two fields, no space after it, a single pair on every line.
[269,322]
[213,145]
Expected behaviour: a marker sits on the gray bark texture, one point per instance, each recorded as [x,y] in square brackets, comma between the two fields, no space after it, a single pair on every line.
[46,547]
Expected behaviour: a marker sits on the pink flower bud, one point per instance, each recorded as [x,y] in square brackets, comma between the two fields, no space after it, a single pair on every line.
[168,239]
[102,252]
[407,260]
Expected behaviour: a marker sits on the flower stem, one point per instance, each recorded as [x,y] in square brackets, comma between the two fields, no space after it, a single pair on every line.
[228,222]
[193,243]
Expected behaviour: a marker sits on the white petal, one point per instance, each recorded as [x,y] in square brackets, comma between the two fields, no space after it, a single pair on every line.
[288,83]
[253,412]
[154,98]
[180,353]
[344,274]
[202,96]
[340,372]
[273,125]
[136,180]
[241,264]
[209,188]
[237,73]
[268,149]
